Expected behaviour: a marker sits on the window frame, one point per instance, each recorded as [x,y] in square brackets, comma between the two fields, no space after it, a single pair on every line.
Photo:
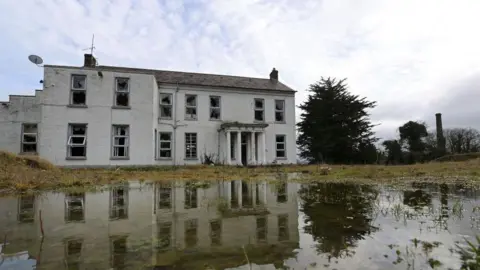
[127,142]
[279,111]
[114,208]
[117,92]
[73,90]
[284,143]
[214,108]
[187,154]
[255,109]
[22,139]
[69,139]
[191,107]
[160,149]
[161,105]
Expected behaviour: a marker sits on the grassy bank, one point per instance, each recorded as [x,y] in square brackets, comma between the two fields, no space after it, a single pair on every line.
[23,173]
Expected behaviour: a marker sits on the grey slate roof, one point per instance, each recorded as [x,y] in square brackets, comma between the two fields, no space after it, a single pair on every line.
[204,79]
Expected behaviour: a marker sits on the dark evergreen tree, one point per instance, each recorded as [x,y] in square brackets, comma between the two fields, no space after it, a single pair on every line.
[334,125]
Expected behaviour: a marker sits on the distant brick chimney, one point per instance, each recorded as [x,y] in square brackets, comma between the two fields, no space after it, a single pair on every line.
[440,137]
[89,61]
[274,75]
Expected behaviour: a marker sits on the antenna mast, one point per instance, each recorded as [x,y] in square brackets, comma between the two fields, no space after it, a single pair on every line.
[91,48]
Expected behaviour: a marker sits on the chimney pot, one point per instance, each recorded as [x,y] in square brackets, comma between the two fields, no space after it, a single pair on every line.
[274,75]
[89,61]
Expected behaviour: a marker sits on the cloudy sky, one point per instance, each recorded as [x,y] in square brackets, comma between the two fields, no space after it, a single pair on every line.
[415,58]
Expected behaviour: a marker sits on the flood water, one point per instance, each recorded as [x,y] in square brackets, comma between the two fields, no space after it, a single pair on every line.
[240,225]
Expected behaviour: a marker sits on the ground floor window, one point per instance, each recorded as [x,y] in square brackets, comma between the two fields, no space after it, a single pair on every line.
[120,141]
[29,138]
[77,141]
[165,144]
[191,145]
[280,148]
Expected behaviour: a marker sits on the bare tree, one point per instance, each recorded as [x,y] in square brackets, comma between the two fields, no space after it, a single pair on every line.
[462,140]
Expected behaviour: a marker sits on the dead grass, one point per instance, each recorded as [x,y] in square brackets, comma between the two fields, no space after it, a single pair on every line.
[27,173]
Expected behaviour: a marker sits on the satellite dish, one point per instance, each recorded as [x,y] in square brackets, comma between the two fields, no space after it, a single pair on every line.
[37,60]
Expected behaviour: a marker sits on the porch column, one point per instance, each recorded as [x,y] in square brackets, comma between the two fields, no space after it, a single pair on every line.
[264,149]
[253,147]
[229,145]
[239,148]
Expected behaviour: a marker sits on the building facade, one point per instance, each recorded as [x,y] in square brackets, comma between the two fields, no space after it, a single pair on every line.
[113,116]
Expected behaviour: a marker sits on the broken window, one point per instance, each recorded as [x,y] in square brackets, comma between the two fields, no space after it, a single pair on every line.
[215,108]
[283,228]
[122,92]
[191,197]
[191,145]
[282,195]
[77,141]
[75,207]
[165,144]
[261,229]
[280,146]
[166,105]
[165,198]
[259,109]
[191,233]
[78,91]
[29,138]
[26,209]
[164,235]
[119,202]
[73,253]
[191,107]
[118,251]
[279,110]
[120,141]
[216,232]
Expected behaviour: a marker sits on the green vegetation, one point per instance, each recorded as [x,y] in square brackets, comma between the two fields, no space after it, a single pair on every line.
[26,173]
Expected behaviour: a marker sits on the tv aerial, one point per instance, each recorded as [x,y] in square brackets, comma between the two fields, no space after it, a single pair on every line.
[37,60]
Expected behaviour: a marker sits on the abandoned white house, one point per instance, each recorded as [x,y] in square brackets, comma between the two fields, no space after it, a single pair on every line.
[112,116]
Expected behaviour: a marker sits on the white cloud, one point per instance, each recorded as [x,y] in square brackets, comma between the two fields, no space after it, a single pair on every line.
[407,55]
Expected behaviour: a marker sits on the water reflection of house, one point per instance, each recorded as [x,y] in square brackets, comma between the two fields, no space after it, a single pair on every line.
[134,223]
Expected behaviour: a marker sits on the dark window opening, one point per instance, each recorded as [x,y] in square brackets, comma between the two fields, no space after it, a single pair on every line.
[165,105]
[216,232]
[259,115]
[79,97]
[78,82]
[165,144]
[262,229]
[122,99]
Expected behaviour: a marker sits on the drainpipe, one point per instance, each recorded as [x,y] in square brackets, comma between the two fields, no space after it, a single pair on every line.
[175,126]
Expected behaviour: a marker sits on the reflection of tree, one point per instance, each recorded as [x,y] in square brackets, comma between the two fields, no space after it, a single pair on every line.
[338,215]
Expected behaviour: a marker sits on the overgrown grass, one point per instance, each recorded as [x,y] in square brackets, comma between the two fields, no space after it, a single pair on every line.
[27,173]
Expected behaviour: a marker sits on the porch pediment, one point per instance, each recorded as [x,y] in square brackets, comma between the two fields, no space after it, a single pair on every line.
[242,126]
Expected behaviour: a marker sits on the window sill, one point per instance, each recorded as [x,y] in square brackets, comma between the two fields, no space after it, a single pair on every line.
[165,118]
[121,107]
[216,120]
[281,158]
[28,154]
[77,106]
[76,158]
[119,158]
[164,159]
[191,119]
[190,159]
[280,122]
[259,121]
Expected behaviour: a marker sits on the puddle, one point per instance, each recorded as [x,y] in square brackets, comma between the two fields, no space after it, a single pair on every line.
[240,225]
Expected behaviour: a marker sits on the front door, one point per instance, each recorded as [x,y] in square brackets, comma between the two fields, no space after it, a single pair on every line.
[244,149]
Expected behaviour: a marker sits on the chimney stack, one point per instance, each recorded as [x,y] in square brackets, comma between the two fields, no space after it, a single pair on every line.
[440,138]
[274,75]
[89,61]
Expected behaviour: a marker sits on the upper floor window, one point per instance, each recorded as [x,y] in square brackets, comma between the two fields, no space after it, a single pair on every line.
[191,107]
[77,141]
[280,146]
[259,107]
[78,91]
[215,108]
[166,105]
[279,110]
[122,92]
[120,141]
[29,138]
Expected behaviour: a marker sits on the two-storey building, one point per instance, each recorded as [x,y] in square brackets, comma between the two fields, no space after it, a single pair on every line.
[112,116]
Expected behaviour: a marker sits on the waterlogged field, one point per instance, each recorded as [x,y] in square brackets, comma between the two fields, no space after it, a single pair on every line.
[243,225]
